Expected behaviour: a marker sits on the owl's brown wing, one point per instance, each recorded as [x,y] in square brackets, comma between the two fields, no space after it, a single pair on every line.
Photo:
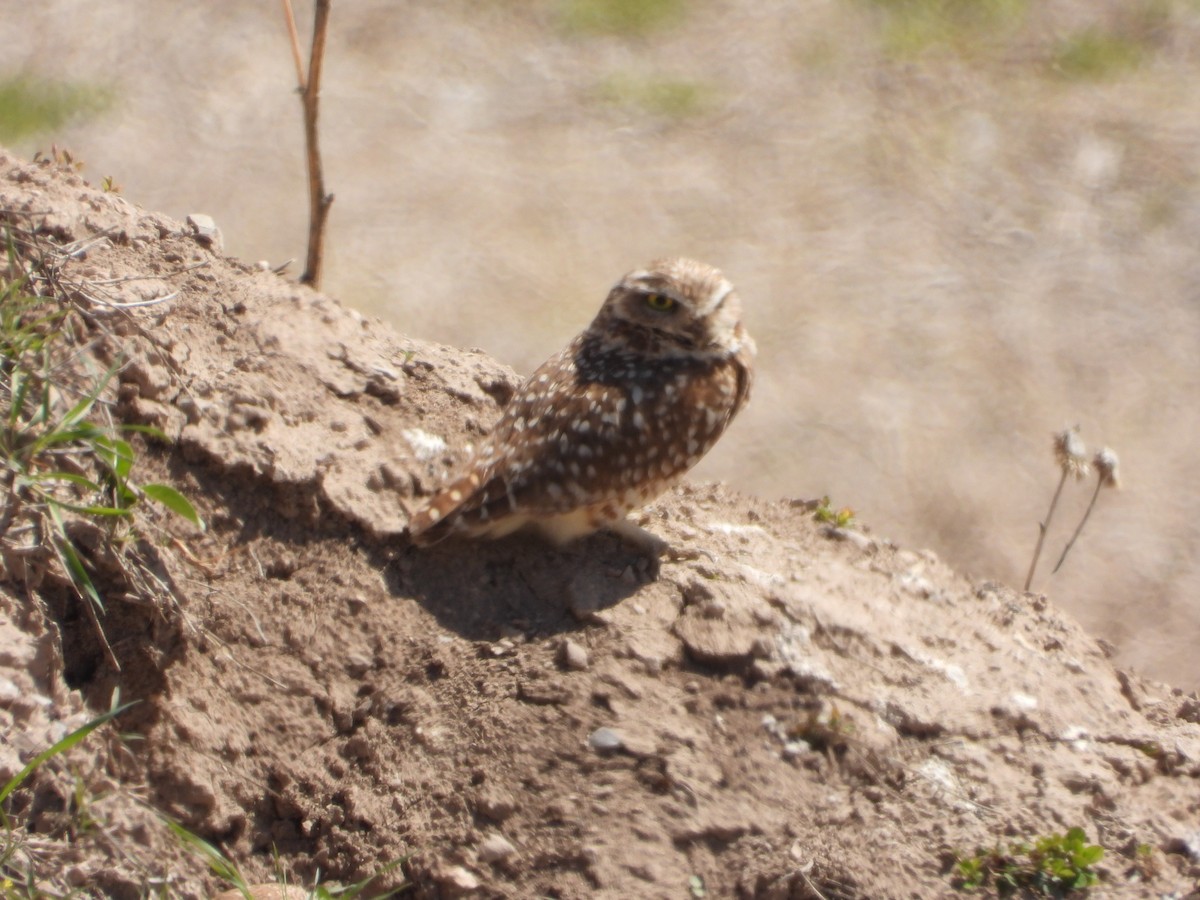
[549,453]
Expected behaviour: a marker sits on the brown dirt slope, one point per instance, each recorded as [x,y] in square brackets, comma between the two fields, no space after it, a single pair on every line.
[799,713]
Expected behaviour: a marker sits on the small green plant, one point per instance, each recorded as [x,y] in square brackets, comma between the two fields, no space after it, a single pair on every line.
[824,729]
[839,518]
[1053,866]
[59,156]
[1145,864]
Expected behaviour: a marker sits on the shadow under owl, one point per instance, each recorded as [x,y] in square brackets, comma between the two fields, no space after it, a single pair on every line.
[483,590]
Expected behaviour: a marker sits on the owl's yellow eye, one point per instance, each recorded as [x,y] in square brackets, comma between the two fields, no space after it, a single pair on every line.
[660,302]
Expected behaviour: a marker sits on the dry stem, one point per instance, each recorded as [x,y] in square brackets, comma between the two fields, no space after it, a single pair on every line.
[1079,527]
[1042,526]
[310,92]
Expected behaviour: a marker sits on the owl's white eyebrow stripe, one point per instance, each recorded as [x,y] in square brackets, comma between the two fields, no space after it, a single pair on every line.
[717,298]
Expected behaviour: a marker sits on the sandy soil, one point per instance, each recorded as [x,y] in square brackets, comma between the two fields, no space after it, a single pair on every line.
[802,712]
[947,255]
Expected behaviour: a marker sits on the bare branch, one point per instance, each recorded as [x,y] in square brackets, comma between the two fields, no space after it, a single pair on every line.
[318,201]
[290,17]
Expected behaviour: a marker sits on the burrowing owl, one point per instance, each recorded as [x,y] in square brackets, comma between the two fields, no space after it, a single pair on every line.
[613,420]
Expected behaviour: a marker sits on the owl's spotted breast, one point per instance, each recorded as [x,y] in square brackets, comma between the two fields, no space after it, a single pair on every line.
[611,421]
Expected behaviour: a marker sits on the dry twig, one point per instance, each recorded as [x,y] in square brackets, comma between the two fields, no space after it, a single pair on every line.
[310,92]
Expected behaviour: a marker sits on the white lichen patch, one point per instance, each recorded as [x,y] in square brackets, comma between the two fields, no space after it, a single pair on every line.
[425,446]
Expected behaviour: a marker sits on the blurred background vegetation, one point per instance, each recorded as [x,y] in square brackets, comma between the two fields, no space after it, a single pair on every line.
[958,225]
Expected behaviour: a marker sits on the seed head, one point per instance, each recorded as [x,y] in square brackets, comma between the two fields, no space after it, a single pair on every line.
[1106,464]
[1070,454]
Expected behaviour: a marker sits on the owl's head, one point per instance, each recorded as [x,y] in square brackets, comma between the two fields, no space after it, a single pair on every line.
[675,307]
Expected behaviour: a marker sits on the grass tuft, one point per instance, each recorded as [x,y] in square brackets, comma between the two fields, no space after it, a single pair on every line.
[19,878]
[621,17]
[63,460]
[29,106]
[916,25]
[1092,55]
[227,870]
[666,97]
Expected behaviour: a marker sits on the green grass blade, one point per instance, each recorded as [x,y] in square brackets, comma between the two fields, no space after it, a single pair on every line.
[220,864]
[353,890]
[111,511]
[18,388]
[61,747]
[69,477]
[79,576]
[82,433]
[116,454]
[174,501]
[79,411]
[70,560]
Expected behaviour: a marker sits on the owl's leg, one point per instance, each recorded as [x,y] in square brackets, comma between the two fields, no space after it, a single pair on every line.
[651,544]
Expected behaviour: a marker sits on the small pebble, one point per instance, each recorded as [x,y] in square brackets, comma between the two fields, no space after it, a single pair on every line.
[456,878]
[496,848]
[8,691]
[503,647]
[496,804]
[572,656]
[792,749]
[205,230]
[605,740]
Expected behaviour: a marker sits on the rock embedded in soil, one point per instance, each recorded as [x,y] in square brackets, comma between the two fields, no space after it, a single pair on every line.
[457,881]
[495,804]
[496,848]
[573,656]
[205,230]
[605,740]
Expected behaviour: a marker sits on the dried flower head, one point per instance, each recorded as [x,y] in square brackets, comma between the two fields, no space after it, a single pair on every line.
[1070,454]
[1106,464]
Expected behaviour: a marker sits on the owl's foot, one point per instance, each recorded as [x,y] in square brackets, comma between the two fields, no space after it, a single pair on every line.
[652,545]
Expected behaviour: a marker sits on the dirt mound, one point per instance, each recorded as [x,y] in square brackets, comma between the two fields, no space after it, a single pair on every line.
[801,712]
